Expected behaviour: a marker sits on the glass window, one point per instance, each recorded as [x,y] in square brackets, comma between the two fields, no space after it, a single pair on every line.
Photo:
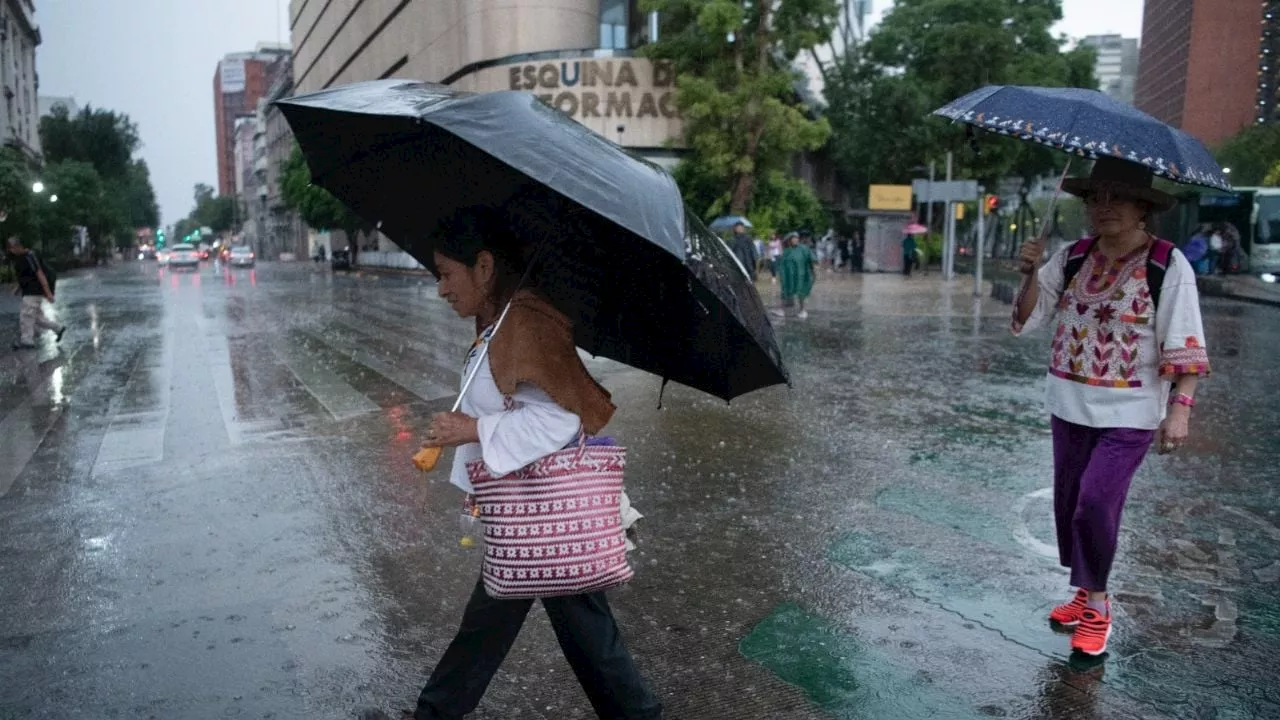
[613,24]
[1268,229]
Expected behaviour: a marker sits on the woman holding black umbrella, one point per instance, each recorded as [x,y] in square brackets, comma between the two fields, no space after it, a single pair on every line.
[1127,354]
[531,397]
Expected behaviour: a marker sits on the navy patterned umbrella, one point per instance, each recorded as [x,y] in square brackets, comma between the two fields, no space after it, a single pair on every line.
[1090,124]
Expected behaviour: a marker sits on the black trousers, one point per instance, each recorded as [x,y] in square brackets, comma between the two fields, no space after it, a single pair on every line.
[588,636]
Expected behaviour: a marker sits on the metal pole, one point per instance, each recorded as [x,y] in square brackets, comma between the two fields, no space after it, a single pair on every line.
[928,198]
[980,245]
[949,240]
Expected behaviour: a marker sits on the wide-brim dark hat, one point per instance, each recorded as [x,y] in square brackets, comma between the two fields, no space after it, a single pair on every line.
[1122,178]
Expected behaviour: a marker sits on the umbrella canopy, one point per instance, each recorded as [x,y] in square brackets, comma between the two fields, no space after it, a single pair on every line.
[1090,124]
[726,222]
[642,279]
[915,229]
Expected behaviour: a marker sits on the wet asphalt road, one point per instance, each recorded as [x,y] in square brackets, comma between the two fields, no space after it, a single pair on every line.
[207,510]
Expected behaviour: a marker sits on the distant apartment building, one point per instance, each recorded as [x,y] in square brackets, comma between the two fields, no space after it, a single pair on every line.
[241,80]
[19,114]
[1205,65]
[1116,67]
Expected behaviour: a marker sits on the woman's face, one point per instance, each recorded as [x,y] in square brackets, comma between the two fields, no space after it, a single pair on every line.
[1114,214]
[466,289]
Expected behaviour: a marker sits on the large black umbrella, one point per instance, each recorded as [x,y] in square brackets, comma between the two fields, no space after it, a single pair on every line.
[643,280]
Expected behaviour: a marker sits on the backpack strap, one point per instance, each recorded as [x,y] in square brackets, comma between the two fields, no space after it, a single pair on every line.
[1075,259]
[1157,265]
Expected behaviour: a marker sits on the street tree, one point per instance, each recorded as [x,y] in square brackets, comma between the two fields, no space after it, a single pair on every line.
[317,207]
[15,194]
[736,90]
[216,212]
[82,201]
[1251,154]
[925,53]
[106,141]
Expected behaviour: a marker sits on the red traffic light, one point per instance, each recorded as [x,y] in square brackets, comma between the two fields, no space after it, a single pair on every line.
[992,203]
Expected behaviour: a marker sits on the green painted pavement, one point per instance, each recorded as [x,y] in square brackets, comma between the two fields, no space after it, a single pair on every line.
[842,675]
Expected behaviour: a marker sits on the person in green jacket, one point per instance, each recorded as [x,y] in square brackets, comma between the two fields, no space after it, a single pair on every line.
[796,270]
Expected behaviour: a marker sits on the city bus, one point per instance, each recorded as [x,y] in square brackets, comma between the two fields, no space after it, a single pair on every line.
[1255,211]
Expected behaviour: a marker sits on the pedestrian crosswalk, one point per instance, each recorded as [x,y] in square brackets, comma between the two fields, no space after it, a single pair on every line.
[195,363]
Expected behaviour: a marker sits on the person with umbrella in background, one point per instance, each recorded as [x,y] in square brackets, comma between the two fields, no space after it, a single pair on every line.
[1128,331]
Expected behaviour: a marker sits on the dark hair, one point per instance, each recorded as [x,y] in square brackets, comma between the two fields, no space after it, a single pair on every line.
[461,237]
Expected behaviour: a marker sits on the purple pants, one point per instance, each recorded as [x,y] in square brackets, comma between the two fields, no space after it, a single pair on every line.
[1092,469]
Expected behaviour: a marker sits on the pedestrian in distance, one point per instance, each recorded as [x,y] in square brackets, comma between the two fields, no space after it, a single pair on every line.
[1127,353]
[796,271]
[909,259]
[530,397]
[744,248]
[775,256]
[36,284]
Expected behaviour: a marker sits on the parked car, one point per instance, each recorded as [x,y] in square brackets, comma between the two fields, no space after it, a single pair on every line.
[184,255]
[241,256]
[340,260]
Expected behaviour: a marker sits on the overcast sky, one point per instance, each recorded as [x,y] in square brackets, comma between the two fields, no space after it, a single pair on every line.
[155,60]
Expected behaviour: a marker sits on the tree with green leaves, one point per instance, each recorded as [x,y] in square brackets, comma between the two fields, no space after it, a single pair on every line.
[925,53]
[317,207]
[104,142]
[736,90]
[16,203]
[216,212]
[1251,154]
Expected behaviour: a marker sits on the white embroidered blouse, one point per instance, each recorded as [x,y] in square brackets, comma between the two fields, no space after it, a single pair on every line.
[1114,356]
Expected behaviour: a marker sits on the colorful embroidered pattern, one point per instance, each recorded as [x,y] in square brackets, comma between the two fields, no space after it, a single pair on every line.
[1104,316]
[1190,360]
[1094,381]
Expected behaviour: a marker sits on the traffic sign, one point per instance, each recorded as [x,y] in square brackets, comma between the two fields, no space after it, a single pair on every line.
[954,191]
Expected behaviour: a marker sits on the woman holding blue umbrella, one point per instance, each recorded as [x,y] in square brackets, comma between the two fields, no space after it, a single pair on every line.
[1128,351]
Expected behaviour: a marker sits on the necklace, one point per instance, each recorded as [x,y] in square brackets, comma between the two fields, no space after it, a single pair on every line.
[1102,275]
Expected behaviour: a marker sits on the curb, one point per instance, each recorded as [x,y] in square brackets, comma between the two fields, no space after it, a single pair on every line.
[1216,287]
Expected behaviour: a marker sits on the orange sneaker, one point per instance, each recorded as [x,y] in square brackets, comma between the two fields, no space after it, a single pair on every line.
[1069,613]
[1092,633]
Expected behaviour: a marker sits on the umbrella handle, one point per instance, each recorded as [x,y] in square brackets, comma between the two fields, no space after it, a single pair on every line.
[1053,202]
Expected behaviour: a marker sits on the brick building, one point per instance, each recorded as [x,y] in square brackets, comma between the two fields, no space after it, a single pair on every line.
[241,80]
[1200,67]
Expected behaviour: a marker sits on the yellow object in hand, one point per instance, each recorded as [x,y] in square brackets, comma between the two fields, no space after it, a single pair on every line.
[427,458]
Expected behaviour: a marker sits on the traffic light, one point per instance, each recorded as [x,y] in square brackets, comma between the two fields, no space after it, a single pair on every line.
[992,203]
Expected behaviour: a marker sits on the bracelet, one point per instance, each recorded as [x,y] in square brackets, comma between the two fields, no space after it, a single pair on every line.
[1182,399]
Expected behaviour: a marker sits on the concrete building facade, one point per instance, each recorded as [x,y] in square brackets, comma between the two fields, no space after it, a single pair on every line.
[241,80]
[578,55]
[20,111]
[283,226]
[1200,64]
[1117,65]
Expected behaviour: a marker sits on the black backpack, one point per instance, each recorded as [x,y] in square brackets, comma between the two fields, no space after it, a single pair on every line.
[1157,265]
